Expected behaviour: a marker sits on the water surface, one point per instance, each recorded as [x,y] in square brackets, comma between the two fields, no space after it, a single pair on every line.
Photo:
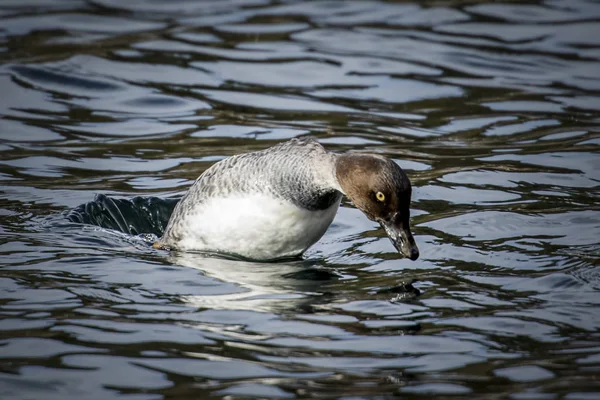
[492,108]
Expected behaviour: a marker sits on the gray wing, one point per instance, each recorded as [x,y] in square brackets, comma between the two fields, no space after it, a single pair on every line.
[279,169]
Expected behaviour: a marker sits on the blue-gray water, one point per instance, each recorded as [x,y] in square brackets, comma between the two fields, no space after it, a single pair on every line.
[492,108]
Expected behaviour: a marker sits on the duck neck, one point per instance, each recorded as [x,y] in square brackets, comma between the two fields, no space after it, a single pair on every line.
[330,172]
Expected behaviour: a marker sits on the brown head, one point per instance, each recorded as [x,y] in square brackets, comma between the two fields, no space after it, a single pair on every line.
[379,187]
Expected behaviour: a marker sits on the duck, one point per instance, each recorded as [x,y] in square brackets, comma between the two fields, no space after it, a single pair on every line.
[275,203]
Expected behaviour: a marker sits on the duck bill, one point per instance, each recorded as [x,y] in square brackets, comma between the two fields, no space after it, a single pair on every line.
[403,240]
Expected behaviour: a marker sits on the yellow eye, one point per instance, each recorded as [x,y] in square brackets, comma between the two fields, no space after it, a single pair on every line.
[380,196]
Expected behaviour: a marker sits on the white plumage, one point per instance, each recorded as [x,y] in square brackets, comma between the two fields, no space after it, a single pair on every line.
[255,226]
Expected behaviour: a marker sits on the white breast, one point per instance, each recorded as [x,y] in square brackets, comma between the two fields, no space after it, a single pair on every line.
[254,226]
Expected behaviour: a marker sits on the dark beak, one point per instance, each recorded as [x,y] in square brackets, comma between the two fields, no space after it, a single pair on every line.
[400,235]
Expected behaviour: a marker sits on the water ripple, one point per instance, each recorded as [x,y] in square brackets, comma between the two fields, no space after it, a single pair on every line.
[111,109]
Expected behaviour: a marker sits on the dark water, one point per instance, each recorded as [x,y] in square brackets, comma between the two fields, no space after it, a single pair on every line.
[493,109]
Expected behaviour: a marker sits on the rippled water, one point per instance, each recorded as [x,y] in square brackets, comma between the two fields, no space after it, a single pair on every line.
[492,108]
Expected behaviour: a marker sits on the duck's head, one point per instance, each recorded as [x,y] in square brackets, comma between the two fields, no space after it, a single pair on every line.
[379,188]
